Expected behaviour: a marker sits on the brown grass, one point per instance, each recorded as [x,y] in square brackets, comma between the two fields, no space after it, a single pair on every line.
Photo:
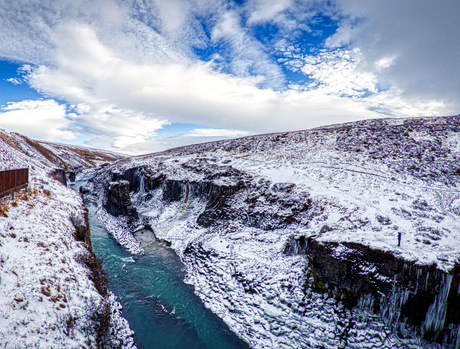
[92,154]
[10,141]
[46,291]
[3,210]
[98,275]
[46,152]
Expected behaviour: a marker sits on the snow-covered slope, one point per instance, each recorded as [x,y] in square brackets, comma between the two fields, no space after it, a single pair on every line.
[342,236]
[52,292]
[17,150]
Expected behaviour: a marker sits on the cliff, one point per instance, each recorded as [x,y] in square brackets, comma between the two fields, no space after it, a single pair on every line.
[341,236]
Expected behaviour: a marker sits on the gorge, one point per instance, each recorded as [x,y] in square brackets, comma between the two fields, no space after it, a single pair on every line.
[338,237]
[162,310]
[345,236]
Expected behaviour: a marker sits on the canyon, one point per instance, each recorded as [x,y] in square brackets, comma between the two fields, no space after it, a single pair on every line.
[345,236]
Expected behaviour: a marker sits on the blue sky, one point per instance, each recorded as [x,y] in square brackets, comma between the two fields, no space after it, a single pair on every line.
[145,75]
[11,87]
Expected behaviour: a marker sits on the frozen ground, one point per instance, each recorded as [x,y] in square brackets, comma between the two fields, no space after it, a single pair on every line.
[230,209]
[47,298]
[364,199]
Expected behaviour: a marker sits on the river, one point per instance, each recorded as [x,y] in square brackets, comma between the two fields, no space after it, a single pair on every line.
[160,307]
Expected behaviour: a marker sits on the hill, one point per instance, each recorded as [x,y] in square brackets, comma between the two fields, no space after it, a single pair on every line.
[340,236]
[52,289]
[20,151]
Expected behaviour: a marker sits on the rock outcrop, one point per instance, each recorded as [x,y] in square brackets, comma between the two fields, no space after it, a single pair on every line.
[118,200]
[408,297]
[341,236]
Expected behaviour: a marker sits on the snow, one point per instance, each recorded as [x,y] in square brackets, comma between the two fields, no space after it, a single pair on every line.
[119,229]
[43,285]
[351,192]
[362,183]
[47,299]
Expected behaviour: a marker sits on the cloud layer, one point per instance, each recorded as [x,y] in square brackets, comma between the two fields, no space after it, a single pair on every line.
[124,71]
[34,118]
[421,38]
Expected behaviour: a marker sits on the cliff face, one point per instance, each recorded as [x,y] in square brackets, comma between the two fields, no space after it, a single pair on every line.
[424,299]
[335,237]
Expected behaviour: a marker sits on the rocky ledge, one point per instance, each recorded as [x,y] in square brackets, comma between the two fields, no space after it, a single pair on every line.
[344,236]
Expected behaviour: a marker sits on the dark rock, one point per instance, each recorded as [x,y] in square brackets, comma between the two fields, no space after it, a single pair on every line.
[295,246]
[173,191]
[118,200]
[383,220]
[354,270]
[59,175]
[72,176]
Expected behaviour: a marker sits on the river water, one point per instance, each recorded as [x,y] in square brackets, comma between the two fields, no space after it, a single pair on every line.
[160,307]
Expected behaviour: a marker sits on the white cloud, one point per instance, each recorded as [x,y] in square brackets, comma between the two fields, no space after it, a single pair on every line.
[392,102]
[121,127]
[170,90]
[384,63]
[421,36]
[128,102]
[290,16]
[266,10]
[248,57]
[342,37]
[28,26]
[216,132]
[14,81]
[338,72]
[174,14]
[42,119]
[229,26]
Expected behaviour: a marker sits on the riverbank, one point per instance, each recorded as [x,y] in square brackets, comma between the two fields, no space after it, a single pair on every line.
[49,294]
[47,297]
[53,293]
[163,311]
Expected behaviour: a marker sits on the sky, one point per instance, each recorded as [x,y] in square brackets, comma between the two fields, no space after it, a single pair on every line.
[140,76]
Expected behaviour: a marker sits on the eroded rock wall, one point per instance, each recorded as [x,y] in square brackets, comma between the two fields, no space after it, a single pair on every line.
[411,301]
[409,298]
[340,237]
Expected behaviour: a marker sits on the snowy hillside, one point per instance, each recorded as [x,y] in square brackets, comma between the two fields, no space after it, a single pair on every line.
[19,151]
[52,292]
[342,236]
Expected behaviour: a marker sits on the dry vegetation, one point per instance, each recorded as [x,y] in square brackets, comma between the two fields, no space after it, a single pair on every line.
[46,153]
[10,141]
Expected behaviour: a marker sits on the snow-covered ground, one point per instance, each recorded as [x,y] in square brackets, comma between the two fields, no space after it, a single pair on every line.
[47,297]
[231,208]
[364,200]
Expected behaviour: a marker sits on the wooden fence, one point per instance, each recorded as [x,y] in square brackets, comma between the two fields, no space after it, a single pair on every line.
[13,180]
